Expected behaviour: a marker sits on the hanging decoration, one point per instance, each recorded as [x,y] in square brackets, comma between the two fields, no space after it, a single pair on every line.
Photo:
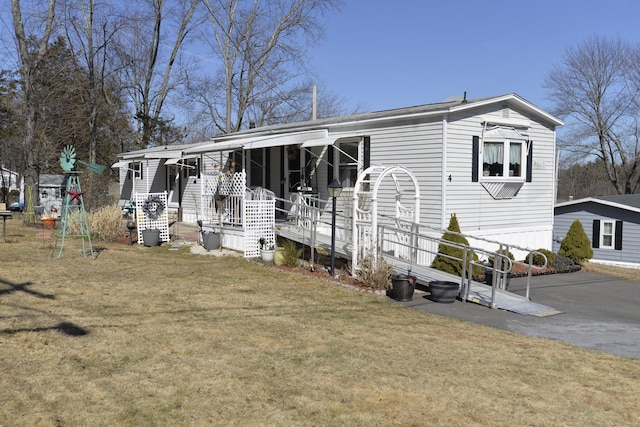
[153,207]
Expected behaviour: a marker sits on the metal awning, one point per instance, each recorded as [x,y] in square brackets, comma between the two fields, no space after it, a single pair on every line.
[319,142]
[500,132]
[120,164]
[214,146]
[282,140]
[176,161]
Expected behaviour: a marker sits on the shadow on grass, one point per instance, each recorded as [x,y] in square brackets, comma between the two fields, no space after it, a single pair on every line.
[66,328]
[22,287]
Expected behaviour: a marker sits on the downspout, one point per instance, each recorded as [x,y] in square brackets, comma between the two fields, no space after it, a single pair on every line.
[443,178]
[147,172]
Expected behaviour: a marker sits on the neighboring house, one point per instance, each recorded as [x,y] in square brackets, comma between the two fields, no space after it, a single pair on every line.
[490,161]
[52,188]
[611,222]
[12,182]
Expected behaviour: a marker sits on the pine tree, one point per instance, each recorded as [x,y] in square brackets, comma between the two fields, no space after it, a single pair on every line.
[576,244]
[447,263]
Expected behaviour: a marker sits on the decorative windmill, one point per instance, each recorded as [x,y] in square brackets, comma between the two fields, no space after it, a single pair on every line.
[74,216]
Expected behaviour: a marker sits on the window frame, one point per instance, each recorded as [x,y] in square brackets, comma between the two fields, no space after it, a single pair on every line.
[136,170]
[506,143]
[348,164]
[603,234]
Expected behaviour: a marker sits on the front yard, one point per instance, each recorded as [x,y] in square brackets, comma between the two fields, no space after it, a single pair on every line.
[151,336]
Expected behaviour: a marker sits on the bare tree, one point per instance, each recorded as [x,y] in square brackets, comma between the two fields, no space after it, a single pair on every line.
[147,69]
[29,60]
[260,45]
[594,91]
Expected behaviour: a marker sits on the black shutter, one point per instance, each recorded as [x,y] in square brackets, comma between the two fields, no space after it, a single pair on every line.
[267,167]
[367,152]
[198,167]
[330,166]
[595,240]
[530,162]
[475,155]
[618,242]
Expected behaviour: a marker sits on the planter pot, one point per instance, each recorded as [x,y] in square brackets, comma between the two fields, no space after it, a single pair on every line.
[268,255]
[488,278]
[49,223]
[210,240]
[444,292]
[151,237]
[403,287]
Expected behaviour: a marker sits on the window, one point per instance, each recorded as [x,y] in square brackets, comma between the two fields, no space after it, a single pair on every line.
[607,234]
[502,158]
[136,167]
[190,168]
[348,163]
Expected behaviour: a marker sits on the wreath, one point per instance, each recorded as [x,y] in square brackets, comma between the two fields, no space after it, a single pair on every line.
[153,207]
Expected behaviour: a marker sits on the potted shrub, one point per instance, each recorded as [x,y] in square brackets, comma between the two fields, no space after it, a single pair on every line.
[267,249]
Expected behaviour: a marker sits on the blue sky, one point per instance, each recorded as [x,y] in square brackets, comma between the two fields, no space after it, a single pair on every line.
[383,54]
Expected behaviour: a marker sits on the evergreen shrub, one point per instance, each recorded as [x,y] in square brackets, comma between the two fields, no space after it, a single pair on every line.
[443,262]
[576,244]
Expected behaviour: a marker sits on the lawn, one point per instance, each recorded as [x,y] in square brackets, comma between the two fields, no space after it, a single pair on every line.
[153,337]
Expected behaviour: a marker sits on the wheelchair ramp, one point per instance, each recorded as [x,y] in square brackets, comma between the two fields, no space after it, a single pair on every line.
[479,293]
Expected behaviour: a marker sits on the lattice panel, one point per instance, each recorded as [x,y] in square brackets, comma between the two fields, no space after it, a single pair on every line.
[144,222]
[259,220]
[231,186]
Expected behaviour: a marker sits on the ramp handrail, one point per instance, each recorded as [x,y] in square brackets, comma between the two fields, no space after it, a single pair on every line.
[501,256]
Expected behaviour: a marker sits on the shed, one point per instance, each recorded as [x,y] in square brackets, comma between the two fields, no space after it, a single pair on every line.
[52,188]
[611,222]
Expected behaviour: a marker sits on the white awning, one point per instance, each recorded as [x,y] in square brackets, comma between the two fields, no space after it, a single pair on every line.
[177,154]
[178,161]
[120,164]
[500,132]
[282,140]
[319,142]
[215,146]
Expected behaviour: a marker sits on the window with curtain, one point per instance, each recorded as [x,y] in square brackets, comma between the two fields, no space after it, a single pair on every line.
[502,158]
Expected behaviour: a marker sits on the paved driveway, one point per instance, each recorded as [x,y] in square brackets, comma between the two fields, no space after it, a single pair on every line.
[598,312]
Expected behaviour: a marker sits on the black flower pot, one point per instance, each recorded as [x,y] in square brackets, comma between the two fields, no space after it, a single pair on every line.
[403,287]
[444,292]
[488,278]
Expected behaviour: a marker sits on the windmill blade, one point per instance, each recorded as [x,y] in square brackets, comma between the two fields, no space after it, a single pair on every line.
[93,167]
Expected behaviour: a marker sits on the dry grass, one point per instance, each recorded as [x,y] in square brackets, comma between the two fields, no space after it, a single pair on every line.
[147,336]
[609,270]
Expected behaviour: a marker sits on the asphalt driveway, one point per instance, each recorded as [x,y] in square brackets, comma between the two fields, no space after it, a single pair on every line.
[598,312]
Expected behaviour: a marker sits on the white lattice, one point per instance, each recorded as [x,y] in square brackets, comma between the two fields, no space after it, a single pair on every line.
[145,223]
[222,198]
[259,222]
